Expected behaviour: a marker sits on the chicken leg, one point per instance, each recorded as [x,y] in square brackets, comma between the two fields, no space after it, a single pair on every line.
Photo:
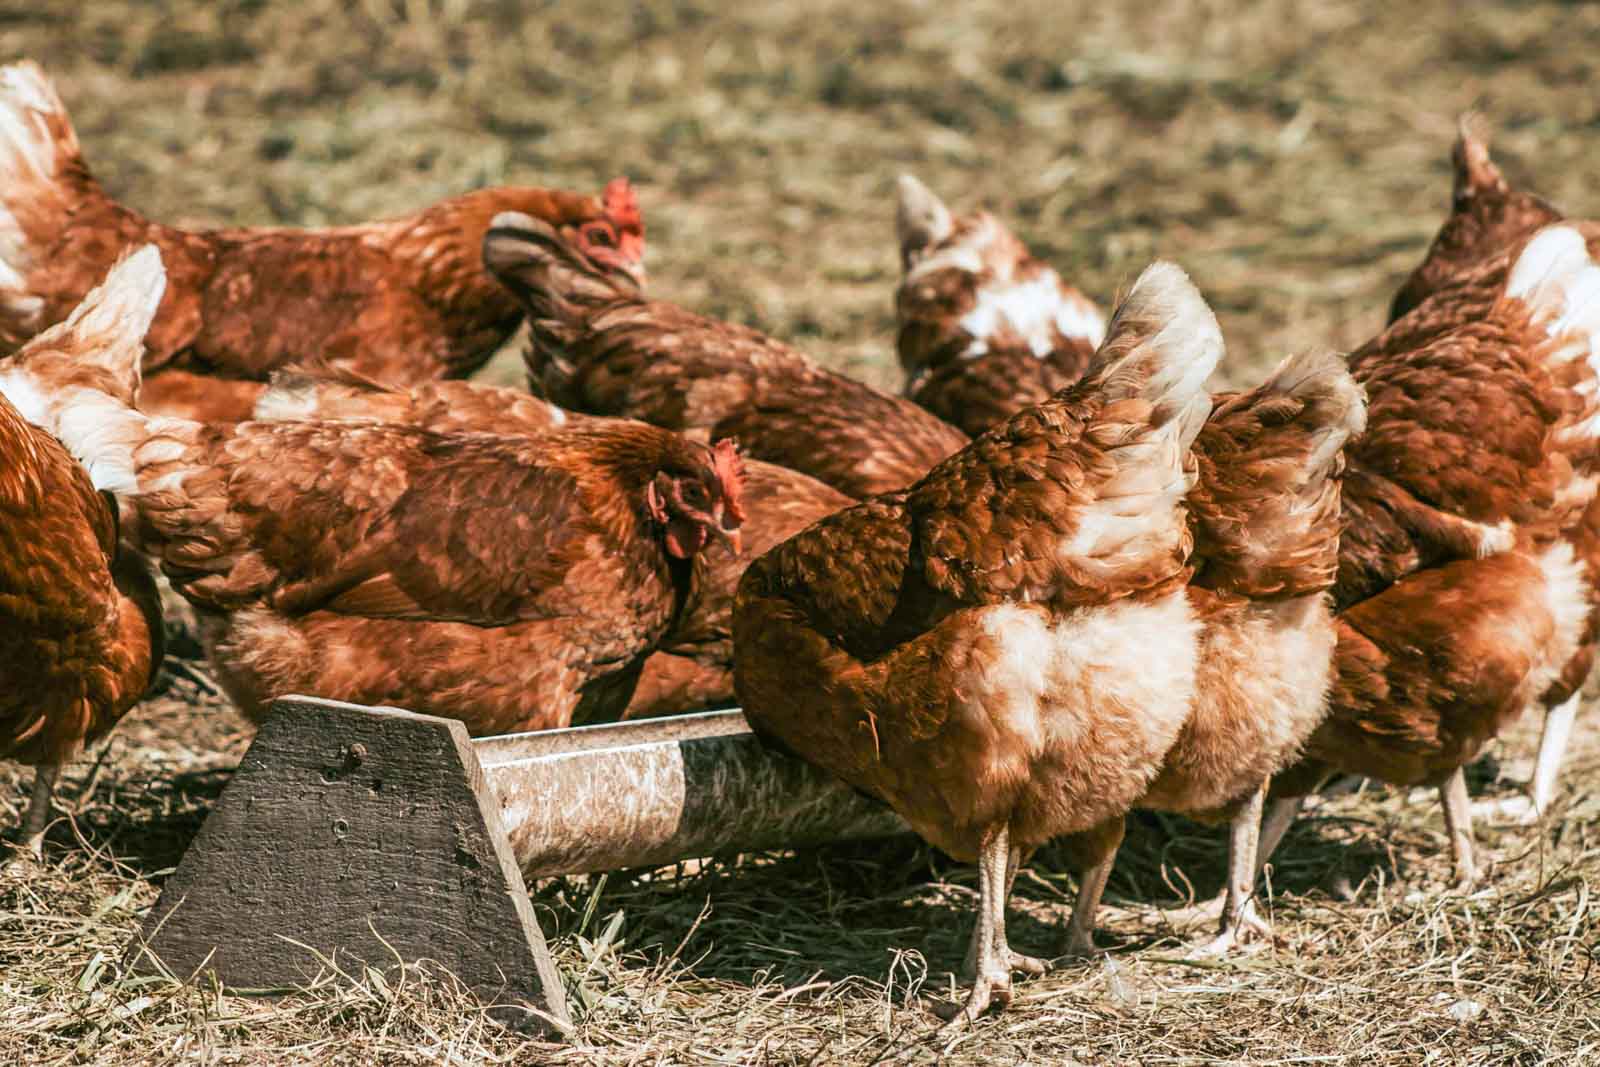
[1091,885]
[990,957]
[1552,750]
[40,809]
[1529,809]
[1239,915]
[1030,965]
[1458,823]
[1281,815]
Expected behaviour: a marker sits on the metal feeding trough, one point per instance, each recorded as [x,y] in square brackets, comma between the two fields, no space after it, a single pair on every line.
[368,836]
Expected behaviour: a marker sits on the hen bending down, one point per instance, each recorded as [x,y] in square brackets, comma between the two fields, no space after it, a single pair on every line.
[599,347]
[1004,652]
[692,668]
[985,329]
[1469,512]
[403,300]
[1490,223]
[1266,520]
[510,582]
[80,620]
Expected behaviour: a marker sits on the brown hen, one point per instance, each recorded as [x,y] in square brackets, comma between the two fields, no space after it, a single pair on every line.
[985,328]
[1468,512]
[1265,516]
[401,301]
[1489,225]
[511,582]
[80,620]
[1004,651]
[599,347]
[692,668]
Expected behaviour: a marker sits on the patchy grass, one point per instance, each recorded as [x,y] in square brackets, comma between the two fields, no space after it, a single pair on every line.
[832,956]
[1293,156]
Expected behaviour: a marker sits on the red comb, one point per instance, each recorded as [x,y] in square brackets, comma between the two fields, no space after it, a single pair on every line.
[728,466]
[622,206]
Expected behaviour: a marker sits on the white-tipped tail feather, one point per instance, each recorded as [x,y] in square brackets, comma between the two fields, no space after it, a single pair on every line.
[1162,345]
[1560,285]
[110,323]
[106,331]
[1335,403]
[921,218]
[28,146]
[107,327]
[36,138]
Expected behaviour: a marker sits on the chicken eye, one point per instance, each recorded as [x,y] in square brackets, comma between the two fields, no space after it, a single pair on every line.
[694,494]
[599,234]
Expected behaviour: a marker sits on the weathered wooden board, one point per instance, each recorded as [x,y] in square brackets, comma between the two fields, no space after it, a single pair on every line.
[362,835]
[358,835]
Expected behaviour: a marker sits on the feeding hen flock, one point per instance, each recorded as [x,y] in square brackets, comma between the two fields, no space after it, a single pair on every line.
[1057,581]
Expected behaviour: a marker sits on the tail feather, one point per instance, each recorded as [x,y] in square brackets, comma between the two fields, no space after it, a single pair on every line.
[110,324]
[1161,346]
[921,219]
[1476,173]
[1333,405]
[78,378]
[1558,283]
[104,333]
[37,144]
[1266,510]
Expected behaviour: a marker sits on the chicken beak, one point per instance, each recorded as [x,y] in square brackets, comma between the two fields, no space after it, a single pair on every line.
[727,535]
[731,538]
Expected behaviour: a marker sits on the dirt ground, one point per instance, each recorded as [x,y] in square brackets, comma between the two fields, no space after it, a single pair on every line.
[1292,156]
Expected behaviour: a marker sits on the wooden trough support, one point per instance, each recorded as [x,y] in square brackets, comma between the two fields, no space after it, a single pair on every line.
[368,836]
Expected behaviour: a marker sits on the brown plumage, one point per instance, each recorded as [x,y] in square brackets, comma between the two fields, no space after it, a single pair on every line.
[510,582]
[1487,217]
[1462,588]
[1489,226]
[598,346]
[1265,517]
[443,407]
[1004,651]
[985,329]
[80,619]
[692,668]
[402,301]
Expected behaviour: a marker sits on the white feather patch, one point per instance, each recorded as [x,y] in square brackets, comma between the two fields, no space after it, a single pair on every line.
[1141,656]
[29,156]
